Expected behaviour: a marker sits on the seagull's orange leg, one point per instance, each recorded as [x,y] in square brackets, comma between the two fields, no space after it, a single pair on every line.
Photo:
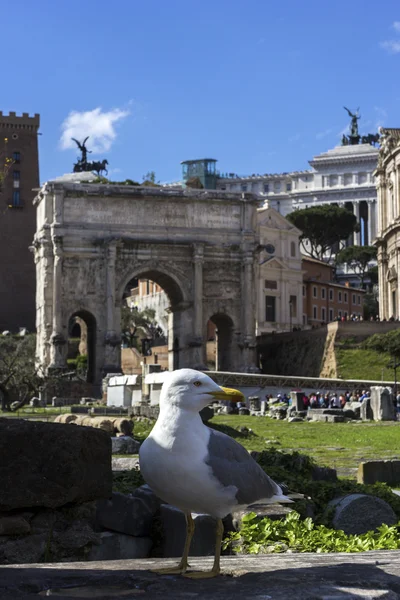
[216,570]
[183,565]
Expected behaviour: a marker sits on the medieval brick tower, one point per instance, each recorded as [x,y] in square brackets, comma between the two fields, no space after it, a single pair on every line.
[18,221]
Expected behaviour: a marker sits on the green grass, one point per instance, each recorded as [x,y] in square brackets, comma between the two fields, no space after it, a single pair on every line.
[339,445]
[28,412]
[359,363]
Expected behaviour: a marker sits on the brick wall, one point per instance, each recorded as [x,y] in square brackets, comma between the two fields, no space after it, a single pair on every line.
[18,223]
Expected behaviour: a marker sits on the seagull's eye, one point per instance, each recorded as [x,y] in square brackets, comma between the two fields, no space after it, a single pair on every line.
[197,383]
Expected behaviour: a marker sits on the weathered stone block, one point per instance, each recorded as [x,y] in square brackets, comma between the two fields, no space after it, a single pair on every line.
[145,493]
[366,413]
[359,513]
[355,407]
[174,525]
[325,411]
[324,418]
[395,472]
[52,464]
[376,470]
[382,404]
[14,525]
[125,514]
[324,474]
[124,445]
[117,546]
[23,550]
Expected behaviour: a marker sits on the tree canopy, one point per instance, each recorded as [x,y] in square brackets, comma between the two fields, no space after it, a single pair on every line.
[358,258]
[323,227]
[137,324]
[19,376]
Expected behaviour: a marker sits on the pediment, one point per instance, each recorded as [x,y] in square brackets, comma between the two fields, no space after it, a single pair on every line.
[271,262]
[269,218]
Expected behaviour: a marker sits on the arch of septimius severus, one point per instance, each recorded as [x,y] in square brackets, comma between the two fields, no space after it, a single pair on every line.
[199,245]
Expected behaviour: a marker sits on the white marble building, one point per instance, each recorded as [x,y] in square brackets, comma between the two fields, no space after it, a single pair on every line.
[343,175]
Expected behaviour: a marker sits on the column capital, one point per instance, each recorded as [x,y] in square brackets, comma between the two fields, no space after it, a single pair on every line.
[57,245]
[198,252]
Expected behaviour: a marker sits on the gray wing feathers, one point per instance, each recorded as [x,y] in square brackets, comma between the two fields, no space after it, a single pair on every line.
[232,465]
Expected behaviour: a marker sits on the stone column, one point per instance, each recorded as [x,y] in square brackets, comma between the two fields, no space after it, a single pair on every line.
[248,291]
[58,341]
[357,235]
[372,220]
[112,340]
[197,341]
[382,208]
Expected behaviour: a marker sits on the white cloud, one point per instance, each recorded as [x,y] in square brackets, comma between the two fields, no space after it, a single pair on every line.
[323,134]
[392,46]
[294,138]
[99,125]
[396,26]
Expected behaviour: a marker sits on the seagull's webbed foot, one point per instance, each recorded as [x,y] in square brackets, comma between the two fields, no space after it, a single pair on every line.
[178,570]
[203,574]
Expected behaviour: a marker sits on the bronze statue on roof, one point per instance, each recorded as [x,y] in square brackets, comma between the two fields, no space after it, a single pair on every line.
[83,165]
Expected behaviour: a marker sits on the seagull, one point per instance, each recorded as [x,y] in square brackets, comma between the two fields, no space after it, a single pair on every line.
[198,469]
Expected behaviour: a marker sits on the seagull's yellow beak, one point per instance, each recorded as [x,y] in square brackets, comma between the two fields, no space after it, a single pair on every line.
[228,394]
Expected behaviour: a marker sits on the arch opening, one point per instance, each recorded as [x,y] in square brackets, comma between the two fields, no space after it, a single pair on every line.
[81,353]
[220,331]
[151,322]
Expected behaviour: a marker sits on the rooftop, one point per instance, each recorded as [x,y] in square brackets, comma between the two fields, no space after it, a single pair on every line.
[196,160]
[24,120]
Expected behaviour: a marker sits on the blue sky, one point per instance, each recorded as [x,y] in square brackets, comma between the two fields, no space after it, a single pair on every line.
[258,84]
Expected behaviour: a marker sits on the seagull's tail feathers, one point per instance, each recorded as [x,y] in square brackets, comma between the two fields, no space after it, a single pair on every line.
[278,498]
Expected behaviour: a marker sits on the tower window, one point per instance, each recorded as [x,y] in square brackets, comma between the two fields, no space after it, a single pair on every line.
[17,157]
[16,198]
[16,175]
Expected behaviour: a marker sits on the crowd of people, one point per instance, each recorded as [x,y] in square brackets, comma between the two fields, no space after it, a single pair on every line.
[328,399]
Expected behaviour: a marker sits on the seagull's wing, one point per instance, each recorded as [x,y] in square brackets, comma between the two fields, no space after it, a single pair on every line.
[232,465]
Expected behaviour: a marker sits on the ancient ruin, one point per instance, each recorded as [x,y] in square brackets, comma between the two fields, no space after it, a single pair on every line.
[200,246]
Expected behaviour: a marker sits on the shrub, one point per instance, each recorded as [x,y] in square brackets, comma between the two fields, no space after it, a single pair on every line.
[266,535]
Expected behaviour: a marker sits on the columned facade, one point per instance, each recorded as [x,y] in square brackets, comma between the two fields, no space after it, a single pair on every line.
[388,235]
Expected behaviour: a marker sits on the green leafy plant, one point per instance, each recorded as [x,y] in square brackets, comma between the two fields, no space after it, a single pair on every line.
[265,535]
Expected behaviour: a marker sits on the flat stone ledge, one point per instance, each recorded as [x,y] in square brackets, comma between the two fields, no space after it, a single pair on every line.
[275,577]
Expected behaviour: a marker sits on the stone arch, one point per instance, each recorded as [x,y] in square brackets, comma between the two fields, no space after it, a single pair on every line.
[171,281]
[224,340]
[91,328]
[180,310]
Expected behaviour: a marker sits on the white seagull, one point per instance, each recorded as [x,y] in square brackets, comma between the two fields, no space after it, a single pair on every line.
[198,469]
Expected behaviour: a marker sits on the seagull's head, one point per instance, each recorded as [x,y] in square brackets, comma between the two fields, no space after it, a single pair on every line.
[193,390]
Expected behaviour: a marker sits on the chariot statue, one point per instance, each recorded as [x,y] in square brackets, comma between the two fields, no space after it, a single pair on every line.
[82,163]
